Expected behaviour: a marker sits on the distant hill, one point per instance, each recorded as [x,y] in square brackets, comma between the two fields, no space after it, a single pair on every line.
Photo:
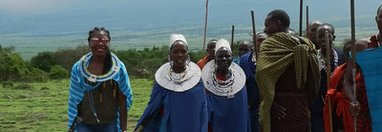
[146,23]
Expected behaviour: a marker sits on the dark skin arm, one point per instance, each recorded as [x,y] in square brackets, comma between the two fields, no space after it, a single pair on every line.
[71,129]
[122,111]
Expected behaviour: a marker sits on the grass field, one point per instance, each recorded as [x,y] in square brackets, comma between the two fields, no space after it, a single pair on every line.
[42,107]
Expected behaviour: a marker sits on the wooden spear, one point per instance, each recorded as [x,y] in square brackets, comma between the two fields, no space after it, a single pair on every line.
[300,27]
[328,70]
[307,21]
[353,52]
[254,34]
[232,34]
[205,26]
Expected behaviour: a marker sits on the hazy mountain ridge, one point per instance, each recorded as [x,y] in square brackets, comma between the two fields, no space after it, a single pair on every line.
[146,23]
[150,14]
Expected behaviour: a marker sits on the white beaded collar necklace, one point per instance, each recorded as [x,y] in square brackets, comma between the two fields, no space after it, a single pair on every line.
[227,88]
[84,63]
[178,82]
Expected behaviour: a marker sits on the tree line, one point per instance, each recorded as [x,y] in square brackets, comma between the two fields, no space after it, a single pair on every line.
[50,65]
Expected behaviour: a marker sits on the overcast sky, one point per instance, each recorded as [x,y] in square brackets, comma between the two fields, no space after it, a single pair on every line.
[28,15]
[43,6]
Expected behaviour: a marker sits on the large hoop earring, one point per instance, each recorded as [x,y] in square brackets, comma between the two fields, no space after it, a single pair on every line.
[188,60]
[169,60]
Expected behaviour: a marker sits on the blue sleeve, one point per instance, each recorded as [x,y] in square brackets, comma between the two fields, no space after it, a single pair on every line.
[75,95]
[125,87]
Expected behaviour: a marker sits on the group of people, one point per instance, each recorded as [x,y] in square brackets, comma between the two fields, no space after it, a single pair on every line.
[280,86]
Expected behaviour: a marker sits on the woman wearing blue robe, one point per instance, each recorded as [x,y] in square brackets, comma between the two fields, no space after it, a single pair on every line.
[226,92]
[178,100]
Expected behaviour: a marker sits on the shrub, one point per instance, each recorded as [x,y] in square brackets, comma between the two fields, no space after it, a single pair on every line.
[44,61]
[12,66]
[36,75]
[58,72]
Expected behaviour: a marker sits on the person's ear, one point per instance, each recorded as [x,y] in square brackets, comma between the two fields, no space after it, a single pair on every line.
[334,37]
[376,19]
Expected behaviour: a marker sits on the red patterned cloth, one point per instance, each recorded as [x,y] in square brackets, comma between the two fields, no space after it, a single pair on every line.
[373,42]
[340,104]
[202,62]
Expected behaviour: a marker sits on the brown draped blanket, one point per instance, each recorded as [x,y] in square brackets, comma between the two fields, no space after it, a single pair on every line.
[277,53]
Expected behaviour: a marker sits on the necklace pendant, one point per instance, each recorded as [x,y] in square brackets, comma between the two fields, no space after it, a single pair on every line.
[92,78]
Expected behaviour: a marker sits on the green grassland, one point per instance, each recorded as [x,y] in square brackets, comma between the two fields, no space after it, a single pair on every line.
[43,106]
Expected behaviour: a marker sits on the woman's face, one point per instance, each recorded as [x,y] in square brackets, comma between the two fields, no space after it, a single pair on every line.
[178,54]
[223,58]
[99,43]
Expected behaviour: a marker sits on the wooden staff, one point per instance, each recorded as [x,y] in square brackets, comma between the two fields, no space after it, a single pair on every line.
[205,26]
[254,33]
[232,34]
[307,21]
[328,70]
[354,64]
[300,27]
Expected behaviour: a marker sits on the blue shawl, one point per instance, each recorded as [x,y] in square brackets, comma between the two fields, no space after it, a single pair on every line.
[78,86]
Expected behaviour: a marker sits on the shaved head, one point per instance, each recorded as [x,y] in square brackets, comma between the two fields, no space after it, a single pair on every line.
[315,23]
[276,21]
[320,36]
[312,29]
[325,27]
[280,15]
[361,44]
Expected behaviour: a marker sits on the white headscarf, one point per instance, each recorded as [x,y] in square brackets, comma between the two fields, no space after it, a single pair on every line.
[176,37]
[222,43]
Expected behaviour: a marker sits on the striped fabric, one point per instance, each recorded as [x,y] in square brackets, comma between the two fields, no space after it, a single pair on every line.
[277,53]
[78,87]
